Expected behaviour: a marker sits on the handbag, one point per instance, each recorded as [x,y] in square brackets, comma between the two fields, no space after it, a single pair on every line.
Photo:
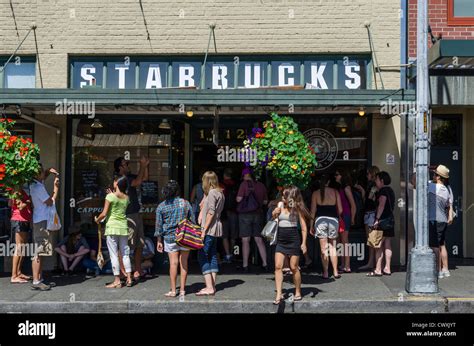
[249,203]
[387,223]
[53,222]
[342,225]
[189,235]
[374,238]
[100,256]
[270,231]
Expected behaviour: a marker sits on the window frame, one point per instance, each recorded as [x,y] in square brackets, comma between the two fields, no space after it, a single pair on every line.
[457,21]
[24,58]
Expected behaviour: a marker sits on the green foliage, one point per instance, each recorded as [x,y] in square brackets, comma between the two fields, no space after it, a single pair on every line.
[282,149]
[18,160]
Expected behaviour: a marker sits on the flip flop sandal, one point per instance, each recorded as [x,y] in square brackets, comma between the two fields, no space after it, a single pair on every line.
[129,284]
[200,294]
[278,301]
[385,273]
[112,285]
[373,274]
[18,281]
[26,277]
[347,271]
[182,293]
[171,294]
[338,276]
[297,298]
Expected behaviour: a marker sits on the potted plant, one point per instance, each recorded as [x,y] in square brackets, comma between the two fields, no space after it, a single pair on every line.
[282,149]
[18,160]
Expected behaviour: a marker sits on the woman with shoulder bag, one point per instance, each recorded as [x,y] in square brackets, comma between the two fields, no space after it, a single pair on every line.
[290,242]
[384,221]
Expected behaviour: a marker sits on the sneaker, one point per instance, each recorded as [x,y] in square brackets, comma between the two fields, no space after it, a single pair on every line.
[40,286]
[90,274]
[244,270]
[444,274]
[227,260]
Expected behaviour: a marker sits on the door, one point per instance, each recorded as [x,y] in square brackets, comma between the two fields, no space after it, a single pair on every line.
[446,149]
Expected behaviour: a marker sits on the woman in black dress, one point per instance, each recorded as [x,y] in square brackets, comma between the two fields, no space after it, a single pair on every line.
[290,241]
[385,207]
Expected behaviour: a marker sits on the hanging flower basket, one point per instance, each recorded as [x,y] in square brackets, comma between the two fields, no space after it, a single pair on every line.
[282,149]
[18,160]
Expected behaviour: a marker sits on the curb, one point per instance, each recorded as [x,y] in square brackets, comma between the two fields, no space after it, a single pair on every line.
[437,305]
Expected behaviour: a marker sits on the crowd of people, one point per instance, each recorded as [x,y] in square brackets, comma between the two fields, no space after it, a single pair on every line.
[227,211]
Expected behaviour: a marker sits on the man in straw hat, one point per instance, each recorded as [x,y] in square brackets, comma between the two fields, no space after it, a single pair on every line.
[440,215]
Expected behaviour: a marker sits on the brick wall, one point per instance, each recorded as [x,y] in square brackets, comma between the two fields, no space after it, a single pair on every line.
[93,27]
[438,19]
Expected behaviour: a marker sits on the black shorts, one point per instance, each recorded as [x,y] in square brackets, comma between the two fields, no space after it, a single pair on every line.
[437,232]
[20,226]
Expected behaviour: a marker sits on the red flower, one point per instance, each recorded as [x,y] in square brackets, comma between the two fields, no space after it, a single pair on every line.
[2,168]
[29,140]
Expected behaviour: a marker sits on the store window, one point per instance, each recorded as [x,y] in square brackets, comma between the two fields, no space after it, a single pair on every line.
[94,149]
[20,72]
[460,12]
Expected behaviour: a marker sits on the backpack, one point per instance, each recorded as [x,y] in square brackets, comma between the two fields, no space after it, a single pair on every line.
[230,200]
[360,209]
[249,203]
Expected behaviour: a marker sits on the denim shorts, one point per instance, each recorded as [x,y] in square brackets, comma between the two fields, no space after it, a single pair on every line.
[20,226]
[173,247]
[326,227]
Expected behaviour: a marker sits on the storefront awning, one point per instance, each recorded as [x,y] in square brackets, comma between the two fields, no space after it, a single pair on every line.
[452,55]
[119,99]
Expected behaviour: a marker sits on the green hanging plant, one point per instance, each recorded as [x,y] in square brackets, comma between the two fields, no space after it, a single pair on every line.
[282,149]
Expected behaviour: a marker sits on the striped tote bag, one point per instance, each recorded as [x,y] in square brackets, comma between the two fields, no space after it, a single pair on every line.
[188,235]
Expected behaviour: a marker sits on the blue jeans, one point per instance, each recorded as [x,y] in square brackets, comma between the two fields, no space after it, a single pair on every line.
[207,256]
[92,265]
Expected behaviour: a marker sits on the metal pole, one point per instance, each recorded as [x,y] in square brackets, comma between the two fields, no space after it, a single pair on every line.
[422,275]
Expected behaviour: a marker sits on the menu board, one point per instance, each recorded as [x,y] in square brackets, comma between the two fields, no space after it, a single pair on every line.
[90,182]
[149,190]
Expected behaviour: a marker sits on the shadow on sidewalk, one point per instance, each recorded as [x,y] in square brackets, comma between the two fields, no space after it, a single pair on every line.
[196,287]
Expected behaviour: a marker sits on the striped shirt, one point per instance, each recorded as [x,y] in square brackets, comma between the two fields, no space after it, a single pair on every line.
[169,214]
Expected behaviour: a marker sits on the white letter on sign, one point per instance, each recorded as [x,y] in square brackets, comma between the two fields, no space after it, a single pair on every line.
[317,78]
[283,70]
[354,81]
[248,76]
[154,77]
[219,79]
[121,77]
[87,76]
[186,74]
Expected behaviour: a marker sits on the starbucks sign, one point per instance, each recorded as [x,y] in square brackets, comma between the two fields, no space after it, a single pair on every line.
[324,145]
[220,72]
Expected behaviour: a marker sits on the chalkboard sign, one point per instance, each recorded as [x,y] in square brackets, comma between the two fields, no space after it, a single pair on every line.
[149,191]
[90,182]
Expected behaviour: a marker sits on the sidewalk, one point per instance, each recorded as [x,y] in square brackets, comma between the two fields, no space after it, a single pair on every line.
[243,293]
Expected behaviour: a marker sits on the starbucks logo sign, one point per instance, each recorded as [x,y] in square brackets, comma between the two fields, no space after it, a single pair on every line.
[324,145]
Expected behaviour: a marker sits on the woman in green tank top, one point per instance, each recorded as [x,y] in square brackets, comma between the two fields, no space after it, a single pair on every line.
[116,230]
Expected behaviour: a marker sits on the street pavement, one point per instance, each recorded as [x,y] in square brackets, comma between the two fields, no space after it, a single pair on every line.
[243,293]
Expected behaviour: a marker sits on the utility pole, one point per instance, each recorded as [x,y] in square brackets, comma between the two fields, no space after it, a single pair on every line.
[422,265]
